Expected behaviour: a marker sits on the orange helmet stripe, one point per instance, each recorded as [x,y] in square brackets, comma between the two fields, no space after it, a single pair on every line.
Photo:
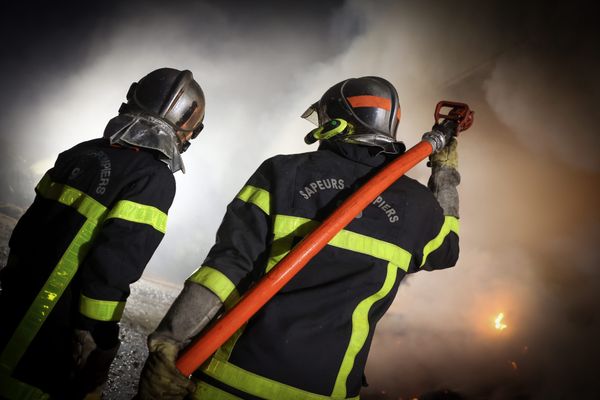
[371,101]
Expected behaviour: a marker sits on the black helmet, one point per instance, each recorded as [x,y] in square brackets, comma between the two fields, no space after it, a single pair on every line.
[369,105]
[174,97]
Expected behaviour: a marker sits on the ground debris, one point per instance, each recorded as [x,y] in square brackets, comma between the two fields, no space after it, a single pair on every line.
[146,305]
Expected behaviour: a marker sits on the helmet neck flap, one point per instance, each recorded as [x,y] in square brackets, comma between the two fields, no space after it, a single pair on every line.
[147,132]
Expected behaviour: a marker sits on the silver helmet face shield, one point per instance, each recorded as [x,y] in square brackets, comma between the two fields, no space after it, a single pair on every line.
[148,132]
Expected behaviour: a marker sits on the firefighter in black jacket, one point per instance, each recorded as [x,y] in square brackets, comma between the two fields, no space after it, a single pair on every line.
[311,340]
[98,216]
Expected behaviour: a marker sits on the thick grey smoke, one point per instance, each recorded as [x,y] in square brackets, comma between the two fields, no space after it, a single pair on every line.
[529,223]
[546,89]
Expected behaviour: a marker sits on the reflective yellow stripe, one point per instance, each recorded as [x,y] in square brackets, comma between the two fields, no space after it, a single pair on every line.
[286,227]
[358,243]
[257,385]
[64,194]
[48,296]
[13,389]
[140,213]
[451,224]
[360,331]
[204,391]
[224,352]
[101,310]
[219,284]
[280,247]
[216,281]
[62,274]
[257,196]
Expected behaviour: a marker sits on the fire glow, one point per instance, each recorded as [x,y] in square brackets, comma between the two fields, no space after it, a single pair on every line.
[498,322]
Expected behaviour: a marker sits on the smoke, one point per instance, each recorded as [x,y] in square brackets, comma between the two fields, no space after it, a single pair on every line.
[254,98]
[529,165]
[440,332]
[545,90]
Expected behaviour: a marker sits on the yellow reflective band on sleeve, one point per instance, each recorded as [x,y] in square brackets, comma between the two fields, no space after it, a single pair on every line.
[257,196]
[451,224]
[257,385]
[360,331]
[13,389]
[62,274]
[101,310]
[139,213]
[286,227]
[215,281]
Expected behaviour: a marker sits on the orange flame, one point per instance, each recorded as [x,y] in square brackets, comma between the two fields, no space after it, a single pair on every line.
[498,322]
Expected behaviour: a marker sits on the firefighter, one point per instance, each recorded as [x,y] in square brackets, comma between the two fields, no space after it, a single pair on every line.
[311,340]
[98,216]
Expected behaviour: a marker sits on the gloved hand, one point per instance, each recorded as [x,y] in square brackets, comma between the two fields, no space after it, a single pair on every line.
[445,177]
[91,365]
[160,377]
[447,157]
[82,346]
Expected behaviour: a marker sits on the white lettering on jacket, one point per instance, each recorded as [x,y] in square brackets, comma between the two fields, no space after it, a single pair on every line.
[314,187]
[387,208]
[322,184]
[105,169]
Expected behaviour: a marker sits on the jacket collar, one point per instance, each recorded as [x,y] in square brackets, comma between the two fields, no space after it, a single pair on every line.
[368,155]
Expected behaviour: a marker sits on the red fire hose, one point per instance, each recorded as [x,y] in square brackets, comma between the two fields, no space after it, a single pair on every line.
[198,352]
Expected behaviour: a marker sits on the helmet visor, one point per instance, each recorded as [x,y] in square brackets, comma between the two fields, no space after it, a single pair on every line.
[311,114]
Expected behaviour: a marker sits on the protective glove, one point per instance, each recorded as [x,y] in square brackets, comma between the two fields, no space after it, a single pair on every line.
[160,377]
[82,345]
[447,157]
[91,365]
[445,177]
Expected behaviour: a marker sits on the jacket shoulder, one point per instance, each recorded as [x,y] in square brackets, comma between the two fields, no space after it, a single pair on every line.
[115,167]
[291,160]
[412,184]
[416,190]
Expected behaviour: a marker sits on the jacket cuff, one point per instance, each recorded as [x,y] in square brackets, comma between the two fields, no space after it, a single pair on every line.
[101,310]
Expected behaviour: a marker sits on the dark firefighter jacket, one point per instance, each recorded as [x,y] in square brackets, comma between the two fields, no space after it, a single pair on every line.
[312,339]
[97,218]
